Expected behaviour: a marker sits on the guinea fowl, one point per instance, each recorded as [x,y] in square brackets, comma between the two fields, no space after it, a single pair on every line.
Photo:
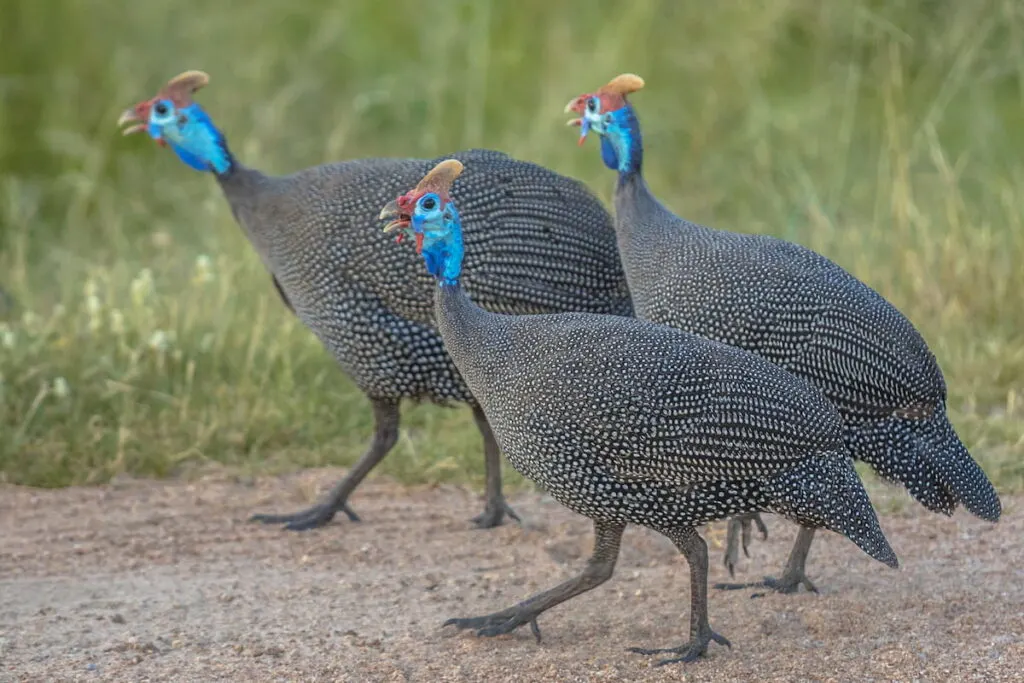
[799,310]
[630,422]
[369,304]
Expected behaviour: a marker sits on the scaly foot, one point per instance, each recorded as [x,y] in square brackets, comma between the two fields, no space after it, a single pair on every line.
[688,652]
[494,514]
[496,624]
[311,518]
[789,583]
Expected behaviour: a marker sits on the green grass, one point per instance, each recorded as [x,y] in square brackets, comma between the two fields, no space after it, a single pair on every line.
[148,340]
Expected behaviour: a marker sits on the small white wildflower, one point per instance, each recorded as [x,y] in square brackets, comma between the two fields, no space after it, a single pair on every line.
[61,388]
[159,341]
[7,338]
[117,322]
[93,304]
[142,286]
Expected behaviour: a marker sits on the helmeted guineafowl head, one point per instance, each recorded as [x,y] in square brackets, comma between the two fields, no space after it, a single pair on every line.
[429,215]
[172,118]
[610,115]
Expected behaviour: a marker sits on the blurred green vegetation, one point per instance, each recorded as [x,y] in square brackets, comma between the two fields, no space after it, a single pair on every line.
[147,337]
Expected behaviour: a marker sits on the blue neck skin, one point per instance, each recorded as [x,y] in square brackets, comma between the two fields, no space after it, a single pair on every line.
[197,142]
[442,247]
[621,145]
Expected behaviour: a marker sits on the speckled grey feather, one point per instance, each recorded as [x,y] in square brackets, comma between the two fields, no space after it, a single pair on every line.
[798,309]
[629,422]
[531,237]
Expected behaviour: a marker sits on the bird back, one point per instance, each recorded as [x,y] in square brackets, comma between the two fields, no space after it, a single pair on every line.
[536,241]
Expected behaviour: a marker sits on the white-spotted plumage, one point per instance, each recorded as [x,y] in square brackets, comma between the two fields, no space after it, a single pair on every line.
[803,312]
[531,233]
[630,422]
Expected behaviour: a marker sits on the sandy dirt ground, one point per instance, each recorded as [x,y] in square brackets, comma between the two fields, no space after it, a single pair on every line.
[167,581]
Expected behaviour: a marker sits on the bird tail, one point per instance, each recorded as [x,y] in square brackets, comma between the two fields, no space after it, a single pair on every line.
[928,458]
[825,491]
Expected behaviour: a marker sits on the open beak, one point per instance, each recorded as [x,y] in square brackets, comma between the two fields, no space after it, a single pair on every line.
[575,106]
[400,221]
[396,219]
[131,116]
[137,116]
[572,108]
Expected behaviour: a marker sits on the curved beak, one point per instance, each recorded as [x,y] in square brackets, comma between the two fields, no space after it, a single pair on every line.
[576,106]
[131,116]
[396,219]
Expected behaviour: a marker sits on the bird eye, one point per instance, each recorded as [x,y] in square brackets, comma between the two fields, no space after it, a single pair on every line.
[161,108]
[592,104]
[429,203]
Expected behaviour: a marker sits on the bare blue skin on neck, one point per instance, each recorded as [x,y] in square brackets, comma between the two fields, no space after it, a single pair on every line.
[621,144]
[192,135]
[443,248]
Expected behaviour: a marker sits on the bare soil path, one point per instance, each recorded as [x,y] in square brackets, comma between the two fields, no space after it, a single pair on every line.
[166,581]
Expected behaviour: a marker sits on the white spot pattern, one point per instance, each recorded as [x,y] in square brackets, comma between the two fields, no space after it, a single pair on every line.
[530,232]
[804,313]
[627,421]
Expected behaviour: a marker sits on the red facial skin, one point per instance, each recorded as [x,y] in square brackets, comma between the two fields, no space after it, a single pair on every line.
[178,91]
[419,241]
[608,101]
[142,111]
[406,204]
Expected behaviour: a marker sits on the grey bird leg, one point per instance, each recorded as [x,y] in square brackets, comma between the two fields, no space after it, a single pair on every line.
[599,569]
[385,435]
[496,507]
[793,577]
[696,552]
[741,524]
